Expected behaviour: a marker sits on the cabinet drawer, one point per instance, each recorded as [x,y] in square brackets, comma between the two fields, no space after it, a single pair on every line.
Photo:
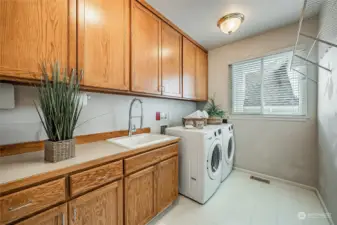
[23,203]
[90,179]
[54,216]
[144,160]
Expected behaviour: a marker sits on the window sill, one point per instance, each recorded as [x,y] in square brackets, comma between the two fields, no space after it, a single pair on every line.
[265,117]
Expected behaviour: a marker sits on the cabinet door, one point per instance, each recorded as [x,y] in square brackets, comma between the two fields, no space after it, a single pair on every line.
[54,216]
[146,29]
[36,31]
[202,75]
[167,183]
[103,43]
[102,206]
[189,69]
[140,191]
[171,61]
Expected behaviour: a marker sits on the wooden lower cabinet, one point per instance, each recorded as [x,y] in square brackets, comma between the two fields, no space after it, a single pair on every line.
[167,183]
[131,191]
[103,206]
[150,191]
[31,200]
[54,216]
[140,190]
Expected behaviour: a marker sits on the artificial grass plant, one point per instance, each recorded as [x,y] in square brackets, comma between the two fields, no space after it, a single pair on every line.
[59,105]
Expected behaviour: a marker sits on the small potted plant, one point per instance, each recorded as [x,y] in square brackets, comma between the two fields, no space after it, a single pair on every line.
[215,113]
[59,108]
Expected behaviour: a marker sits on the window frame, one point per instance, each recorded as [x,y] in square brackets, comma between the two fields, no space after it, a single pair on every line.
[304,90]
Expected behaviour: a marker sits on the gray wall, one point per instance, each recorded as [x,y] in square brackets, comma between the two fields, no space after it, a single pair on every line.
[279,147]
[327,117]
[110,112]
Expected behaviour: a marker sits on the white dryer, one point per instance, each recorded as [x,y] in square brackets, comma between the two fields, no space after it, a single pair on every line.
[228,150]
[228,145]
[200,161]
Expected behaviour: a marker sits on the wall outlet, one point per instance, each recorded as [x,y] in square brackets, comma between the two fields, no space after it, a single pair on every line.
[163,116]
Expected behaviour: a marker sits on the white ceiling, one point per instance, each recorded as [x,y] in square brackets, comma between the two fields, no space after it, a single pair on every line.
[198,18]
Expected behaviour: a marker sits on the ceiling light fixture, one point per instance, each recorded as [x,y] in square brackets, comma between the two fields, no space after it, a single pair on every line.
[231,22]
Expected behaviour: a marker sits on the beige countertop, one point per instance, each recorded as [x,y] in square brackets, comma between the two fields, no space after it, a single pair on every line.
[18,167]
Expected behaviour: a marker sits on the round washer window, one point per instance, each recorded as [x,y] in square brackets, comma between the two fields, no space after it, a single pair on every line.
[216,158]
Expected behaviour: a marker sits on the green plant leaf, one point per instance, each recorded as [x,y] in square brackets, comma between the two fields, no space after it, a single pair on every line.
[59,102]
[214,110]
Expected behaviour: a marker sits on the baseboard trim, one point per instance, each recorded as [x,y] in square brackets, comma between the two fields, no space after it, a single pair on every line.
[160,215]
[310,188]
[324,205]
[265,176]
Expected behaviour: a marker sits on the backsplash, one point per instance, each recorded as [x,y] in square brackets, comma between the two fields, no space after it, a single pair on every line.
[104,112]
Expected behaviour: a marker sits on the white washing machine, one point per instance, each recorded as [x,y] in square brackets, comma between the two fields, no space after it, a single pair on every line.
[200,161]
[228,145]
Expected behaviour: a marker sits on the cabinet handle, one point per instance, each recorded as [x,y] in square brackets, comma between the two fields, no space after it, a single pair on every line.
[62,219]
[102,178]
[75,215]
[81,74]
[13,209]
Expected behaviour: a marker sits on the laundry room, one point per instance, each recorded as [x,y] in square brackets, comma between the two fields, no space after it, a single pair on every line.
[156,112]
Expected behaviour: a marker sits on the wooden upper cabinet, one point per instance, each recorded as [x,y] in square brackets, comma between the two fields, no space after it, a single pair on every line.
[54,216]
[140,191]
[167,183]
[146,50]
[36,31]
[189,69]
[102,206]
[104,42]
[171,61]
[202,75]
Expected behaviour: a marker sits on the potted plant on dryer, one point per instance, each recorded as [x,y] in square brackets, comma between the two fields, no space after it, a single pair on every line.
[215,113]
[59,107]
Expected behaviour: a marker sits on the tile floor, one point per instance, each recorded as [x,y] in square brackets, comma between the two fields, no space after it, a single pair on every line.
[241,201]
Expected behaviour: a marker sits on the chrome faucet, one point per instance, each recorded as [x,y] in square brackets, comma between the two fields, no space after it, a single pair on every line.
[133,128]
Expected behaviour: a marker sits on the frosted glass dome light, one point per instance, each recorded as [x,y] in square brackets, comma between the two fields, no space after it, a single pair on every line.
[230,23]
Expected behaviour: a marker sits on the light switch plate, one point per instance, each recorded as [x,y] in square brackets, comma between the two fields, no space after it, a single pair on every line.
[163,116]
[7,100]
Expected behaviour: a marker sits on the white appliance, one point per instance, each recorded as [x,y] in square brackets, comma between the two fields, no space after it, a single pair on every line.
[228,145]
[228,151]
[200,161]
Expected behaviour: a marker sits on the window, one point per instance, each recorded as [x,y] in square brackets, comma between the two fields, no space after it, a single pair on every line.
[266,86]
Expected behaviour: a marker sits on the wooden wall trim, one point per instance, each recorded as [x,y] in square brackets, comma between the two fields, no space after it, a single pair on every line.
[162,17]
[34,146]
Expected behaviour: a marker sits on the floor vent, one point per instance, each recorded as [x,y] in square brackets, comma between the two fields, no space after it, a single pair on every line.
[260,179]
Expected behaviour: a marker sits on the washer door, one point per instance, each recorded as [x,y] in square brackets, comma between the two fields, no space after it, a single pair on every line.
[229,155]
[214,159]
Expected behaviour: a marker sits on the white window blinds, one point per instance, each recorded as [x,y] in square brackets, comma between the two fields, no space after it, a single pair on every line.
[267,86]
